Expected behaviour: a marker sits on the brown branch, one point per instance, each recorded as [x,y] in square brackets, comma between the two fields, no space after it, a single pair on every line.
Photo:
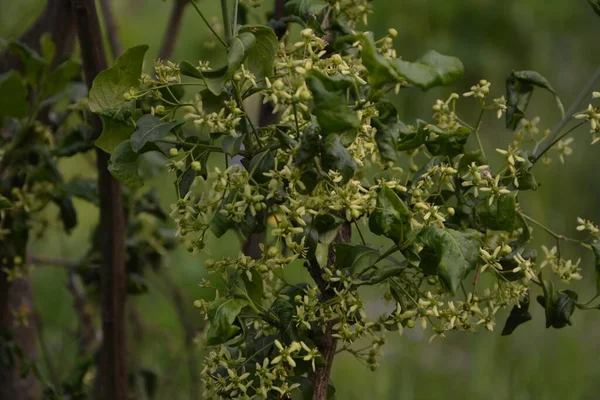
[112,29]
[55,261]
[326,343]
[86,331]
[112,221]
[173,27]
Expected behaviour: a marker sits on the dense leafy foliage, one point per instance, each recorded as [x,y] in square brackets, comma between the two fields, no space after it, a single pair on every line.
[338,154]
[44,119]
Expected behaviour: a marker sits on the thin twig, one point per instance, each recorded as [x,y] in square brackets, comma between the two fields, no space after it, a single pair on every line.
[207,23]
[226,21]
[45,353]
[572,110]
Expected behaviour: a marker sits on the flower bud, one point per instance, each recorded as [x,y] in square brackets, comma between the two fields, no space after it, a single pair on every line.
[392,32]
[305,95]
[306,33]
[196,165]
[451,211]
[173,151]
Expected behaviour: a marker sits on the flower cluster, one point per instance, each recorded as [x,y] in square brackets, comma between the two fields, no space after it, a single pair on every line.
[333,158]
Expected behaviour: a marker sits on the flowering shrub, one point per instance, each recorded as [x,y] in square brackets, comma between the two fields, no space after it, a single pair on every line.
[336,157]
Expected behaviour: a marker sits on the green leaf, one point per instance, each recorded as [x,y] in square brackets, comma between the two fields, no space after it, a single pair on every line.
[303,7]
[596,250]
[525,177]
[33,63]
[525,236]
[186,68]
[355,258]
[150,129]
[381,70]
[388,131]
[506,214]
[216,79]
[114,133]
[222,314]
[595,6]
[220,224]
[412,140]
[518,315]
[13,96]
[336,157]
[123,165]
[433,69]
[330,108]
[448,143]
[107,95]
[242,287]
[78,139]
[4,203]
[448,253]
[558,306]
[283,312]
[383,273]
[68,215]
[391,216]
[58,79]
[518,95]
[260,59]
[326,222]
[535,79]
[232,145]
[48,48]
[322,254]
[86,189]
[310,146]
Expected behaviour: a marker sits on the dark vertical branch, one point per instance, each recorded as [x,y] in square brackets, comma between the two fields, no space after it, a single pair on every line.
[112,221]
[86,332]
[168,44]
[16,297]
[112,29]
[326,343]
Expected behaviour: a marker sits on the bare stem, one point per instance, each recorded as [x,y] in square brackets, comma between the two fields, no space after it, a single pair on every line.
[226,21]
[551,140]
[207,23]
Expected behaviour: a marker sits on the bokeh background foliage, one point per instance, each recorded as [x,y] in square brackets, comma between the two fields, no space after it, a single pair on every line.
[555,37]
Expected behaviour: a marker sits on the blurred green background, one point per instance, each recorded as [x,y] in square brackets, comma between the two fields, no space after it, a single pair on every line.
[557,38]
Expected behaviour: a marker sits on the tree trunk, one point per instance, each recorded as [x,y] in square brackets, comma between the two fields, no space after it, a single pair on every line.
[326,343]
[112,221]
